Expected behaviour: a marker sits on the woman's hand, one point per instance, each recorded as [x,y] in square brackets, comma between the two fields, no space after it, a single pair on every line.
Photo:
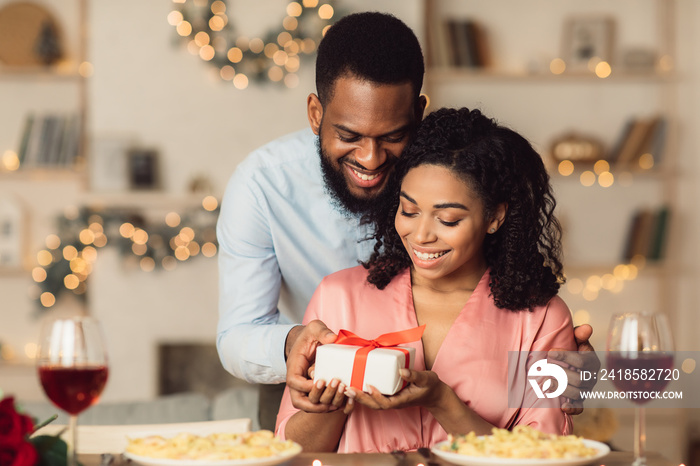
[424,389]
[332,395]
[427,390]
[321,431]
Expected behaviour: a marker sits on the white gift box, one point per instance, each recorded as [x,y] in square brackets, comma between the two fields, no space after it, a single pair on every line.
[382,370]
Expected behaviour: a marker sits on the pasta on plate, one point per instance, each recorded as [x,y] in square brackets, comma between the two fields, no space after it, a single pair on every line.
[522,442]
[220,446]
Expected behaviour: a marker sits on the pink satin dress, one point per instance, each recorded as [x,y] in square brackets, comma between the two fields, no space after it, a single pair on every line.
[473,359]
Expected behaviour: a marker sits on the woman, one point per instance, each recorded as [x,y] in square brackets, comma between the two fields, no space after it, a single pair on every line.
[468,244]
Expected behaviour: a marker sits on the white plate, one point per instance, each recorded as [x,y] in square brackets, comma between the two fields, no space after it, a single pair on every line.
[266,461]
[464,460]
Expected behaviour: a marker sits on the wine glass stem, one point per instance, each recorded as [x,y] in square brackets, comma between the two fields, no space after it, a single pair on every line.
[72,451]
[640,437]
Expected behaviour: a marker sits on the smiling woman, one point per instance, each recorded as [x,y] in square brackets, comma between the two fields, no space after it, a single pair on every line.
[467,246]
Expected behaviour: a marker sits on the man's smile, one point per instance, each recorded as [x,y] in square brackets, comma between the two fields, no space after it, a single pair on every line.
[365,178]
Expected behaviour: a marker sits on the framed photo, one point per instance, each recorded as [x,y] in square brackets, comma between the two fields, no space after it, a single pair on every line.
[108,162]
[143,169]
[586,38]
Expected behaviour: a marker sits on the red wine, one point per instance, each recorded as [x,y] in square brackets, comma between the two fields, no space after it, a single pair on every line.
[73,389]
[648,372]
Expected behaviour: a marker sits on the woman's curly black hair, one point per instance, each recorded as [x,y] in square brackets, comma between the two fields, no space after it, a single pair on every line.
[500,166]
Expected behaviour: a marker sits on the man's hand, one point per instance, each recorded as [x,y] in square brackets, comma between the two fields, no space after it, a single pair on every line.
[584,359]
[300,349]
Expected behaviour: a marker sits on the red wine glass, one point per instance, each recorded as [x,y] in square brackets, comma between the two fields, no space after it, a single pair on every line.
[72,365]
[640,360]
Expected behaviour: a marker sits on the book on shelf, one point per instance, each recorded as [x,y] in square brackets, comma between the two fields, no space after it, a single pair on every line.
[457,43]
[24,138]
[438,44]
[35,132]
[479,43]
[50,140]
[70,144]
[657,142]
[458,46]
[616,148]
[647,234]
[51,144]
[639,136]
[659,234]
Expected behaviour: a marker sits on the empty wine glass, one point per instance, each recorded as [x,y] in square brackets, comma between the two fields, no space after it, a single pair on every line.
[639,359]
[72,365]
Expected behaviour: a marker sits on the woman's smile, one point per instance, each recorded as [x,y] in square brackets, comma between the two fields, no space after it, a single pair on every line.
[427,258]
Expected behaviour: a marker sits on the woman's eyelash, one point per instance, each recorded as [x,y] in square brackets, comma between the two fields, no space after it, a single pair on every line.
[449,224]
[444,222]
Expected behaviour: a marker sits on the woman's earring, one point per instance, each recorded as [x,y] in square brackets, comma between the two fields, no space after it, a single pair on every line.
[492,230]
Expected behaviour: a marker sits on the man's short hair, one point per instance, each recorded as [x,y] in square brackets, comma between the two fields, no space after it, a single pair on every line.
[377,47]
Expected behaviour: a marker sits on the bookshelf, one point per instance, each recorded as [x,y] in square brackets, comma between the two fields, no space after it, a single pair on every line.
[47,133]
[43,134]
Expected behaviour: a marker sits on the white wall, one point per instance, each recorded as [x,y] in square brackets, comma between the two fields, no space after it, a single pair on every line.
[153,90]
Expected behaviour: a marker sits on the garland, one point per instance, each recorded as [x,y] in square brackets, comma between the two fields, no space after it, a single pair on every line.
[273,57]
[66,263]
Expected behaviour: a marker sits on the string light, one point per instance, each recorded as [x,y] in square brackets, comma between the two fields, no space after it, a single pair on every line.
[47,299]
[30,350]
[646,161]
[210,34]
[566,167]
[84,231]
[601,172]
[210,203]
[612,282]
[38,274]
[86,69]
[606,179]
[10,161]
[587,178]
[557,66]
[603,69]
[581,317]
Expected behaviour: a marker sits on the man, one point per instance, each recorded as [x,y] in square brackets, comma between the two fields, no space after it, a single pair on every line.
[291,211]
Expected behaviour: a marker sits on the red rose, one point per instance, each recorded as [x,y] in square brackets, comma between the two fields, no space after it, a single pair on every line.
[17,453]
[13,426]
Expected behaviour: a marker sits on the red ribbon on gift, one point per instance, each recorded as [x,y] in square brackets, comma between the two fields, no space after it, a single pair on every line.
[346,337]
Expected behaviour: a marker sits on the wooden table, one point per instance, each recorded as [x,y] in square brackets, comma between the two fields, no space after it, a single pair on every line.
[379,459]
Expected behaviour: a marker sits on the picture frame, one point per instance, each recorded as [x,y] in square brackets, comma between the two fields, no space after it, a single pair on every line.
[143,169]
[587,38]
[109,162]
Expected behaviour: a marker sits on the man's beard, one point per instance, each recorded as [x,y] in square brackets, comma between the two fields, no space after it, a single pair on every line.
[337,187]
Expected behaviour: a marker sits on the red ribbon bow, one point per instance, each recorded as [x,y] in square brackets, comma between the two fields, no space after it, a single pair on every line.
[346,337]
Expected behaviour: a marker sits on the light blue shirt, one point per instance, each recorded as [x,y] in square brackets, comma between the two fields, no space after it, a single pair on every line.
[279,234]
